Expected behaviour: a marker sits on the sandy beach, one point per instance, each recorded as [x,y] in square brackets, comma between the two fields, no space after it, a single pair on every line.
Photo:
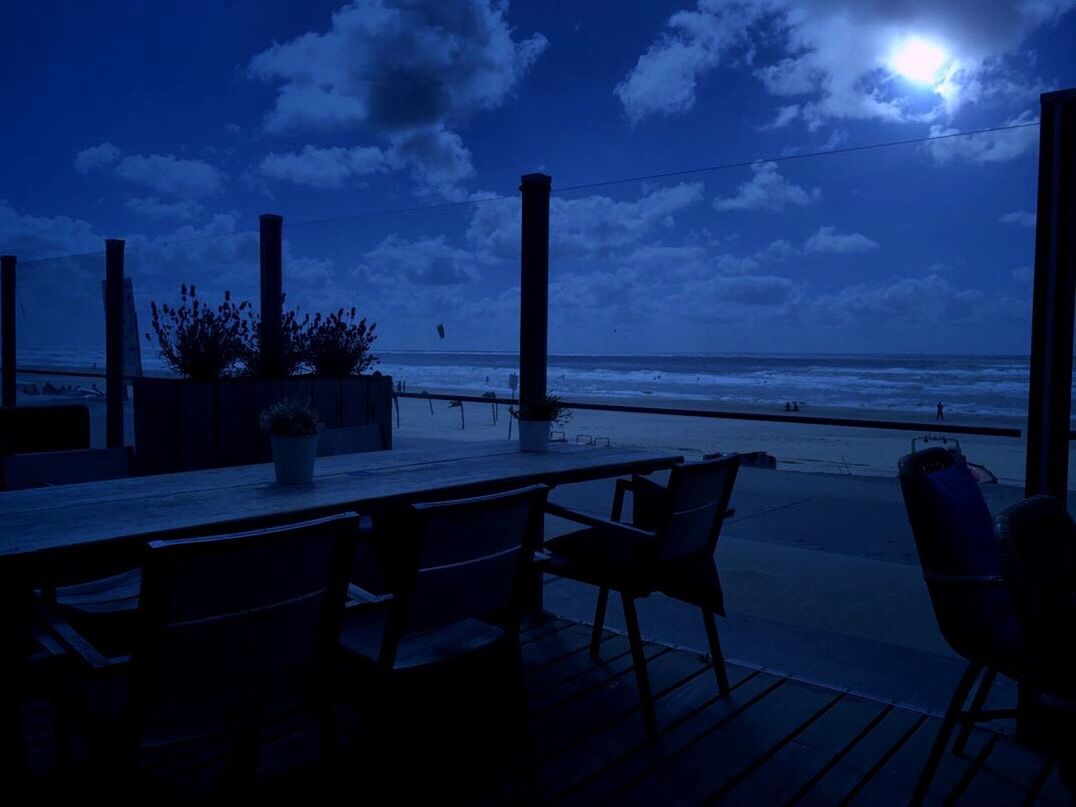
[817,449]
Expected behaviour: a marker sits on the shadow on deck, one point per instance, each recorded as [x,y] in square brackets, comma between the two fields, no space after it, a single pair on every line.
[774,740]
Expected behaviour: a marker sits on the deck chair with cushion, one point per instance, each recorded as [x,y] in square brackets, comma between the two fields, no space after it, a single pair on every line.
[1037,545]
[233,631]
[667,547]
[955,543]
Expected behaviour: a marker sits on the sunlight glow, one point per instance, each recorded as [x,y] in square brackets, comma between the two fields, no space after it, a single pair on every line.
[919,60]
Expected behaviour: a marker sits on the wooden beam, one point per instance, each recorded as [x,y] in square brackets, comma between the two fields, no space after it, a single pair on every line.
[114,396]
[272,293]
[7,329]
[534,288]
[1054,299]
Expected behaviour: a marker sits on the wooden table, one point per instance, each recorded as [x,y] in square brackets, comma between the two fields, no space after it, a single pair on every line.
[48,527]
[45,522]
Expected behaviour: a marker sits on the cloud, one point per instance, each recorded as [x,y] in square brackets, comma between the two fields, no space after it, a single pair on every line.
[988,147]
[768,190]
[324,167]
[1018,217]
[586,227]
[171,175]
[37,237]
[835,55]
[407,71]
[153,208]
[438,160]
[779,250]
[94,157]
[930,300]
[423,262]
[828,241]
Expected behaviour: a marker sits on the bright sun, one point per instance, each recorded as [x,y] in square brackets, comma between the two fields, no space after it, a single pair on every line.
[919,60]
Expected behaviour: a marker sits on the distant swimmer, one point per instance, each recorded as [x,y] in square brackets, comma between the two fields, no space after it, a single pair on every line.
[941,412]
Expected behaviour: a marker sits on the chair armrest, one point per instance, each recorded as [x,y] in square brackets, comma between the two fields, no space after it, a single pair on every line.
[622,487]
[965,580]
[74,642]
[358,597]
[596,522]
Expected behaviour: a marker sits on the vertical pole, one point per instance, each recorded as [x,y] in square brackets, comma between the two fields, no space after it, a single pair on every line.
[7,329]
[272,293]
[114,343]
[533,288]
[1054,299]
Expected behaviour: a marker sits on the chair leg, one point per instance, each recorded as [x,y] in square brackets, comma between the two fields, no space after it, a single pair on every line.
[638,657]
[599,622]
[716,656]
[976,705]
[952,715]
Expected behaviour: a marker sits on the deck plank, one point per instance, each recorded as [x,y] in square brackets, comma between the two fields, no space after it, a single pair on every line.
[721,757]
[895,781]
[575,667]
[802,759]
[627,738]
[837,783]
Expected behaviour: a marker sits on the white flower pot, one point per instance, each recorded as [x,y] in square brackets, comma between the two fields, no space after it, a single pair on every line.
[534,435]
[294,457]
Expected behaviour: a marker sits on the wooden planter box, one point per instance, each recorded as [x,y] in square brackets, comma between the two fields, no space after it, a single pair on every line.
[183,425]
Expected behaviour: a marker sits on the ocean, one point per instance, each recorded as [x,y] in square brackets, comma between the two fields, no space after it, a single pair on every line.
[983,385]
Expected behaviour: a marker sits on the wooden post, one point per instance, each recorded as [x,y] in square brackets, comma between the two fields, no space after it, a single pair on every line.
[7,329]
[533,288]
[272,293]
[1053,300]
[114,343]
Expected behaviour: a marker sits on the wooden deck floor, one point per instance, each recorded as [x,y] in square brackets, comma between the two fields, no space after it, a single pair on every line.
[774,740]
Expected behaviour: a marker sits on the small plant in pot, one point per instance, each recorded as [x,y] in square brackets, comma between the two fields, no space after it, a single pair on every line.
[293,428]
[536,418]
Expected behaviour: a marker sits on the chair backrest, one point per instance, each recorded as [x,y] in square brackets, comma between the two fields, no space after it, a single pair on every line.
[697,498]
[237,626]
[25,429]
[350,440]
[953,534]
[21,471]
[1036,541]
[461,559]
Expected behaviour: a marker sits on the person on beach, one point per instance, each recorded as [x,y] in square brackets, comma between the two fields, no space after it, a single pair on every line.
[788,406]
[941,412]
[795,406]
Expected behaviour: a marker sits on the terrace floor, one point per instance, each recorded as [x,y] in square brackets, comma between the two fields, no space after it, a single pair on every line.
[774,740]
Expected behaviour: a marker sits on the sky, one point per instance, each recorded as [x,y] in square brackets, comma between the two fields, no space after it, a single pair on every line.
[391,135]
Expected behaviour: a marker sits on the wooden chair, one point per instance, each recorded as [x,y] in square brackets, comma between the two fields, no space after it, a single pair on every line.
[45,469]
[26,429]
[954,540]
[668,547]
[455,574]
[95,592]
[350,440]
[1037,545]
[232,630]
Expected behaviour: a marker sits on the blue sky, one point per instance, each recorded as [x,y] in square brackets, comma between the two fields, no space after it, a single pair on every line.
[173,125]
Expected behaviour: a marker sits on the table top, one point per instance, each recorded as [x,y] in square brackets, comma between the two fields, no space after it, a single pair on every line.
[45,520]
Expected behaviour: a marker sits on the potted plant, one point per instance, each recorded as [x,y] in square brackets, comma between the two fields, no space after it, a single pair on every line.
[293,428]
[338,346]
[536,418]
[206,414]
